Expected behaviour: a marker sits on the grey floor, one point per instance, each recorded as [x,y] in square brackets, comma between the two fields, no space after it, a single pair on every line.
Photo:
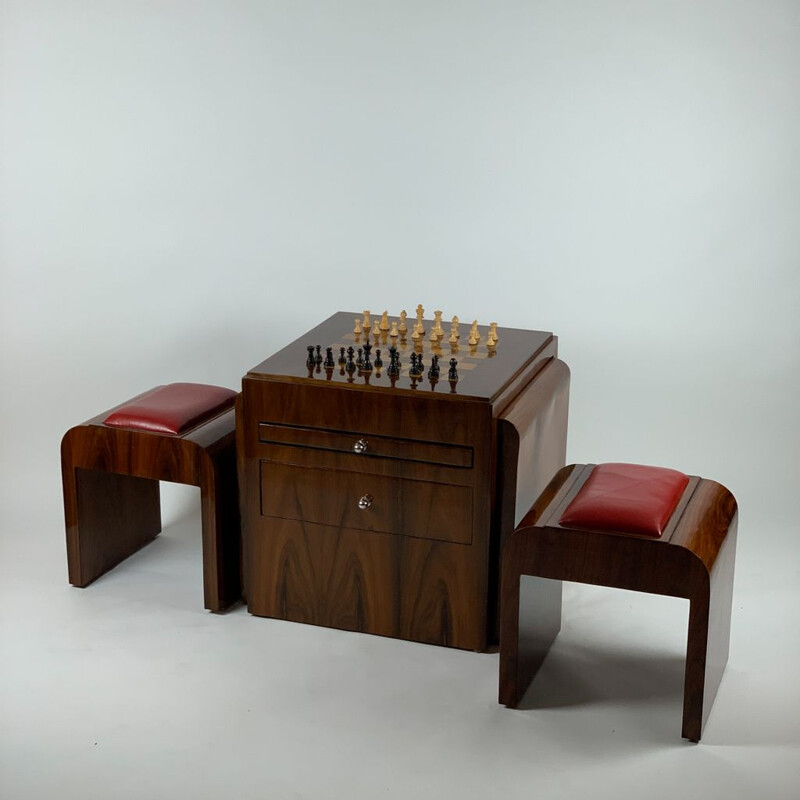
[129,689]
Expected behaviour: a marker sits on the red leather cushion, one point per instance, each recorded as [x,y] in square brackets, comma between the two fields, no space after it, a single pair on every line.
[626,498]
[173,408]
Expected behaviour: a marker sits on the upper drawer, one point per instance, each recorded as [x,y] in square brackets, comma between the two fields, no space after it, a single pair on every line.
[366,445]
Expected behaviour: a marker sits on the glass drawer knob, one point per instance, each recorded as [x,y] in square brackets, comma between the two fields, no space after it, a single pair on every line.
[360,446]
[365,502]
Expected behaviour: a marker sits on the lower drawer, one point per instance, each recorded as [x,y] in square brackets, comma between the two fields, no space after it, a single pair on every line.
[404,506]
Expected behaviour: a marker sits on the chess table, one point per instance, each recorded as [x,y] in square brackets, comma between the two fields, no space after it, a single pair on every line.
[379,503]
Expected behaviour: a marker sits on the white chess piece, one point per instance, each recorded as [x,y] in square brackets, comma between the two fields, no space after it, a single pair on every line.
[403,328]
[367,323]
[357,329]
[385,321]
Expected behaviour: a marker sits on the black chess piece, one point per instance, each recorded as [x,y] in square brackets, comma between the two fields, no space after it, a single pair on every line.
[452,374]
[378,359]
[342,359]
[413,371]
[360,359]
[318,357]
[394,363]
[351,364]
[329,358]
[366,366]
[310,362]
[433,372]
[420,365]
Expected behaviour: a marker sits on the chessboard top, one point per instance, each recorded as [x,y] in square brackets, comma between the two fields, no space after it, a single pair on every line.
[484,371]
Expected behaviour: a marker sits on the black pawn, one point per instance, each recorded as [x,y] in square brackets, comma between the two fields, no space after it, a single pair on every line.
[378,360]
[360,359]
[342,359]
[318,357]
[329,357]
[420,365]
[351,365]
[452,375]
[310,361]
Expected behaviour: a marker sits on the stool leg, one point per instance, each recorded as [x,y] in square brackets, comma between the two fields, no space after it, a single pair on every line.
[708,643]
[222,540]
[108,517]
[530,619]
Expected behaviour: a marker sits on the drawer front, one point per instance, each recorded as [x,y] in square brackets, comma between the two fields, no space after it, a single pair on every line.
[420,509]
[366,445]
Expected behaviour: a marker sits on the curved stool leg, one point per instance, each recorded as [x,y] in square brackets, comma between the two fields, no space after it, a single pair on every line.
[222,566]
[108,518]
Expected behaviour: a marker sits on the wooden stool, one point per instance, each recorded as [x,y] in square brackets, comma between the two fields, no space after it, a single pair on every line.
[111,466]
[639,528]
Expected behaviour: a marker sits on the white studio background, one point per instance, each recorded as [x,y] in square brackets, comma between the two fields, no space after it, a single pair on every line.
[186,187]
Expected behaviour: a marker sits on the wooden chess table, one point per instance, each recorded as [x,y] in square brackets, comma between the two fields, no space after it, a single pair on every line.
[379,503]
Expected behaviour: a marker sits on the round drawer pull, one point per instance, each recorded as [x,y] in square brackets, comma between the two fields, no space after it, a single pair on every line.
[360,446]
[365,502]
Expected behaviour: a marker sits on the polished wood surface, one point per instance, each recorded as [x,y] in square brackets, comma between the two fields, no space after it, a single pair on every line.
[694,559]
[111,497]
[483,372]
[414,563]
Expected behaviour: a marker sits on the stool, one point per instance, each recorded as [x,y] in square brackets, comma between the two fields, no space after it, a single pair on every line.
[110,469]
[632,527]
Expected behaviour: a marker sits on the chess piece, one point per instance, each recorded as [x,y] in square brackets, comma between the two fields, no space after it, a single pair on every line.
[474,333]
[452,374]
[418,331]
[384,321]
[414,371]
[378,360]
[367,324]
[360,359]
[394,362]
[393,331]
[433,372]
[329,358]
[420,315]
[376,329]
[403,328]
[420,365]
[357,329]
[366,366]
[437,324]
[351,364]
[342,359]
[318,357]
[492,333]
[454,333]
[310,361]
[434,335]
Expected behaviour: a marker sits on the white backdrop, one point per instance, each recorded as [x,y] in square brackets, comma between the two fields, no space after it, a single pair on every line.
[187,186]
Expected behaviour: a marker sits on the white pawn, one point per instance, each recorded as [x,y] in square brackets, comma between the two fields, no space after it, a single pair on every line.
[376,330]
[492,339]
[418,332]
[393,331]
[474,333]
[434,335]
[357,329]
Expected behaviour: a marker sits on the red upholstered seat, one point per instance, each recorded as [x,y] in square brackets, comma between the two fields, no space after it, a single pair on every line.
[173,408]
[626,498]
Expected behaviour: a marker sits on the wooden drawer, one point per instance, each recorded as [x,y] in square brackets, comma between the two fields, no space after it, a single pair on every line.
[421,509]
[366,445]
